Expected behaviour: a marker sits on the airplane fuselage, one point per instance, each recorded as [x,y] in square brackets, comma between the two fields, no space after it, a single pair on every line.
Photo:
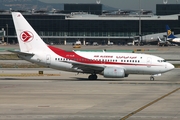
[175,41]
[132,63]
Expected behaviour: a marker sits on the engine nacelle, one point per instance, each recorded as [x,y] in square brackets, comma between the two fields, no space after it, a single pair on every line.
[114,72]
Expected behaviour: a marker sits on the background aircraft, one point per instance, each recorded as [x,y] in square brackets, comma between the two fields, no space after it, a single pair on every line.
[170,37]
[108,64]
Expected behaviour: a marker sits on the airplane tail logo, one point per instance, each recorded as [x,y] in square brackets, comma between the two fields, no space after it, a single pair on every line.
[26,36]
[169,32]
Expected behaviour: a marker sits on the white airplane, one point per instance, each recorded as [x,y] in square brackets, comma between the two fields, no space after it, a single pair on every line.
[108,64]
[170,37]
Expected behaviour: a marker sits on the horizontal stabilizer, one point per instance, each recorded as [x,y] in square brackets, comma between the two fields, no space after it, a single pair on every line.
[20,53]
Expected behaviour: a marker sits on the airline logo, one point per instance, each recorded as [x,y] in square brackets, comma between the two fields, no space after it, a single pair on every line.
[26,36]
[169,32]
[18,15]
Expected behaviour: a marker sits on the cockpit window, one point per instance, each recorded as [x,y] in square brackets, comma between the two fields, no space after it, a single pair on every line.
[161,60]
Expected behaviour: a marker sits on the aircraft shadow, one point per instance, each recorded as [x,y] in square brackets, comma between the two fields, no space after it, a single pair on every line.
[81,79]
[60,79]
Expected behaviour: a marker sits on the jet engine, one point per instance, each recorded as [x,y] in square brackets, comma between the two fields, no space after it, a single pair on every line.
[114,72]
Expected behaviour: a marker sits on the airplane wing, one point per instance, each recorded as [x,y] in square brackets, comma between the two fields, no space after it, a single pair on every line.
[159,39]
[86,68]
[20,53]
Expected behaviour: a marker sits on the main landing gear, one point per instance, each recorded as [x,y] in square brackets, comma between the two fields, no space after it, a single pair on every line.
[92,77]
[152,78]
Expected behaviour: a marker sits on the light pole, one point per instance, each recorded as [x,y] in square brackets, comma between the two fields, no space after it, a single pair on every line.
[139,22]
[7,33]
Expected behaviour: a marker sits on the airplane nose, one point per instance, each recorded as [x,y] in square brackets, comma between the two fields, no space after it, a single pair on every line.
[170,66]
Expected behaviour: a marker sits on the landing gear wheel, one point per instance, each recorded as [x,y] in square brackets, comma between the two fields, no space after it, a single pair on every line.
[95,77]
[151,78]
[92,77]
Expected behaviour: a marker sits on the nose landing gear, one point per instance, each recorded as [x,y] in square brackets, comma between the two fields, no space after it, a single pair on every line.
[152,78]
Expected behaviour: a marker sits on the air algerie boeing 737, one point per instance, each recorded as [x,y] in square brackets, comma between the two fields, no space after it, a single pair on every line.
[108,64]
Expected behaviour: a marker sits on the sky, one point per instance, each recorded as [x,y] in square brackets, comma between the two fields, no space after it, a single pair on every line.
[121,4]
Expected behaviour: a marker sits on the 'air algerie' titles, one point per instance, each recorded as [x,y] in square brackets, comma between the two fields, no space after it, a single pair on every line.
[103,56]
[118,57]
[126,57]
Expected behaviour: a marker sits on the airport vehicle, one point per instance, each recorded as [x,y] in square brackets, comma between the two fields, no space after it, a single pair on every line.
[77,44]
[110,43]
[170,37]
[108,64]
[95,44]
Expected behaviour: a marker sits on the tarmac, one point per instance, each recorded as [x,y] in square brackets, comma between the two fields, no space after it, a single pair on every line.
[71,96]
[57,95]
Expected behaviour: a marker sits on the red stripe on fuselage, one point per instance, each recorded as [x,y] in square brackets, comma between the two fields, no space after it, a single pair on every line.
[71,55]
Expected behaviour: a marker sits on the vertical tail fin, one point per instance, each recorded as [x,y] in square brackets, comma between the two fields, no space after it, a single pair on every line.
[29,40]
[169,32]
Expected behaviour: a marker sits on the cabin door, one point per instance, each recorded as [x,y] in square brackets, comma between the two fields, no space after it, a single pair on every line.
[48,59]
[149,61]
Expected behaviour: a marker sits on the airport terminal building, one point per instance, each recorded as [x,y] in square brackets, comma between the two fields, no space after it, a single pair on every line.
[89,25]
